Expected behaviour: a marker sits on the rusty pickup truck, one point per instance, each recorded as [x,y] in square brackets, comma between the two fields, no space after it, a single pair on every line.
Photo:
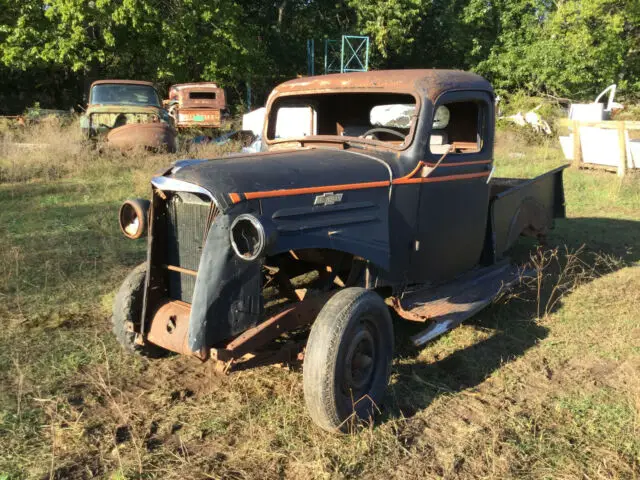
[197,104]
[375,193]
[128,114]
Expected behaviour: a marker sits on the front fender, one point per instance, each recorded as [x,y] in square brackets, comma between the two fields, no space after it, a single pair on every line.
[227,295]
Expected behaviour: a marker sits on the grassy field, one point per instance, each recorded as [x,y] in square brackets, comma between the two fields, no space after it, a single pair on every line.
[543,384]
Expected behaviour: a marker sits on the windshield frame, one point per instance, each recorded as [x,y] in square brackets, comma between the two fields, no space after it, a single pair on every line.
[157,103]
[303,141]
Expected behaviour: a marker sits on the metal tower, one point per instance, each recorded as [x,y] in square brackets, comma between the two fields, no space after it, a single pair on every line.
[349,54]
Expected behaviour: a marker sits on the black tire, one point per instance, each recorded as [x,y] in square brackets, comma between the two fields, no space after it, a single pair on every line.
[353,327]
[127,307]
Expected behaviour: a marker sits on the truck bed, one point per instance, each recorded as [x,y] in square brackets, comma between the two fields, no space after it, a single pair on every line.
[524,206]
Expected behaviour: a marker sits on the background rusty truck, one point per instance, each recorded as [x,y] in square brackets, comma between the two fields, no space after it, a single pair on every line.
[128,114]
[196,105]
[376,191]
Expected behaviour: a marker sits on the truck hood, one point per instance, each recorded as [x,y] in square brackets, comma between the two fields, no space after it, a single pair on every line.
[272,174]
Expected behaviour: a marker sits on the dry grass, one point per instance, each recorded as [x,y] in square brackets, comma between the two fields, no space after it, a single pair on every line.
[52,150]
[47,151]
[544,384]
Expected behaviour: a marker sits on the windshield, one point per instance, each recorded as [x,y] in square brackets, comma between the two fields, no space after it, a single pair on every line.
[124,94]
[380,117]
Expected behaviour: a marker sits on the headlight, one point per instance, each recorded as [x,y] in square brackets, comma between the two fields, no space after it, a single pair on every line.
[133,218]
[247,237]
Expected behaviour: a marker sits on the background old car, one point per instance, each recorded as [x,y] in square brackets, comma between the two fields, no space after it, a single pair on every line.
[128,113]
[196,105]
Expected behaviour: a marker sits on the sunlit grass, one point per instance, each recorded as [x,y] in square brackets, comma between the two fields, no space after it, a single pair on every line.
[511,394]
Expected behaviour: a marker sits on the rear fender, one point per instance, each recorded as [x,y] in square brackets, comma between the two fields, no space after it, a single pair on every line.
[524,207]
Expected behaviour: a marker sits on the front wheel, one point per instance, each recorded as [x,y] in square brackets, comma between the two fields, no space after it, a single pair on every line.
[348,358]
[127,310]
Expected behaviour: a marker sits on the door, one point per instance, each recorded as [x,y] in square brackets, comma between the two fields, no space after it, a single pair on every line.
[454,191]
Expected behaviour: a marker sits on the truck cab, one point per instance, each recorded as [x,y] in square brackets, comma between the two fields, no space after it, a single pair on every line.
[375,186]
[408,120]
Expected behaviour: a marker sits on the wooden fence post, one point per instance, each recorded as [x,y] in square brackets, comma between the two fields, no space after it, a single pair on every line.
[577,147]
[622,144]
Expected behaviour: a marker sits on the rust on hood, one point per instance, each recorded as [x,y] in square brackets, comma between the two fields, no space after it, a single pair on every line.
[154,136]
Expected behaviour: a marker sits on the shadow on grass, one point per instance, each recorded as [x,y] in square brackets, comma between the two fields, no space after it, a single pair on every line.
[513,325]
[421,382]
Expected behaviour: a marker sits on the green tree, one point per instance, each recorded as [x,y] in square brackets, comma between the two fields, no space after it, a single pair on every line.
[389,22]
[167,40]
[570,48]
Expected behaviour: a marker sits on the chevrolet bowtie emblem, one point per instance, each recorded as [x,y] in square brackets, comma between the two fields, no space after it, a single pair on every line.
[327,199]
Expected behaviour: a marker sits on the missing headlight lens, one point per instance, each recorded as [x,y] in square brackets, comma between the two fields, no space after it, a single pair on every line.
[247,237]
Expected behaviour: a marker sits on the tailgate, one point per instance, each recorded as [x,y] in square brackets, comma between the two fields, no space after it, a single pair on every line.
[202,117]
[524,206]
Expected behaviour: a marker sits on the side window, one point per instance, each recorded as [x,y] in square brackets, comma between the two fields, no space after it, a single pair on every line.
[459,127]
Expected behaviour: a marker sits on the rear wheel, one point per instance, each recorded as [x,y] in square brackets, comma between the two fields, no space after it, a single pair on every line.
[127,310]
[348,358]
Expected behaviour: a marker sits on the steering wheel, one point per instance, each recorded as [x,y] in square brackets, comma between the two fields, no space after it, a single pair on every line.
[374,130]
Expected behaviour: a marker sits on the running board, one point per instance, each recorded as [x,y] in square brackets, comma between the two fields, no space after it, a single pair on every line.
[448,305]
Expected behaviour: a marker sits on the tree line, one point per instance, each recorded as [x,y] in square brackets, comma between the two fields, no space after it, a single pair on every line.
[51,49]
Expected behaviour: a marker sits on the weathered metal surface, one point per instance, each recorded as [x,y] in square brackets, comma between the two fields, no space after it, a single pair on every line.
[292,318]
[196,104]
[124,82]
[155,136]
[425,303]
[406,215]
[134,218]
[197,117]
[113,116]
[169,328]
[430,83]
[525,206]
[128,107]
[198,95]
[299,315]
[449,305]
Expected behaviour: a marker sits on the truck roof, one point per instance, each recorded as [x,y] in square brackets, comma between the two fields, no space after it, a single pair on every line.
[179,86]
[124,82]
[428,82]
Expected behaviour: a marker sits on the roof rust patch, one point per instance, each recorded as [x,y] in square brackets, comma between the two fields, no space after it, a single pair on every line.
[123,82]
[429,82]
[194,85]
